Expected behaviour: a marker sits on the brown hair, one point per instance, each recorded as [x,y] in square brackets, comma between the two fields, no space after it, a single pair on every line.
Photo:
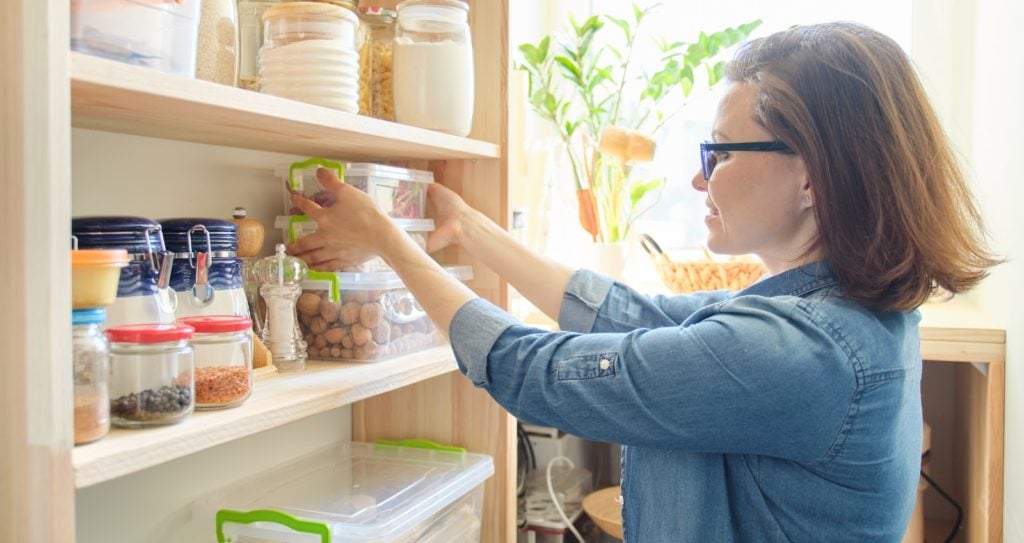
[896,218]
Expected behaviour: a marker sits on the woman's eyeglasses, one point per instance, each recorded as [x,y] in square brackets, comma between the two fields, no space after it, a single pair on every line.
[708,149]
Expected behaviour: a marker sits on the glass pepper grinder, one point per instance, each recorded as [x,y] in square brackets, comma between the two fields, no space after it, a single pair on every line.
[281,279]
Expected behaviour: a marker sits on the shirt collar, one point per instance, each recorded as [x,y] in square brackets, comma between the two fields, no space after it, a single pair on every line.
[795,282]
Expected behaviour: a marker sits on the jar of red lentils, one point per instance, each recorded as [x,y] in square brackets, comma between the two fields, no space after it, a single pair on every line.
[223,360]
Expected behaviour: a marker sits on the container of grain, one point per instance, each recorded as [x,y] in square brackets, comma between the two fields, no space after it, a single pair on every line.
[376,91]
[433,66]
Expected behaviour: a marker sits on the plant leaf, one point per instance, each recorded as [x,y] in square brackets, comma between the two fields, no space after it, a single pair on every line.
[639,189]
[570,69]
[627,30]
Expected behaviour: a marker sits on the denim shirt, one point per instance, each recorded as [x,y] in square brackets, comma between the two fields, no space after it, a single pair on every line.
[782,412]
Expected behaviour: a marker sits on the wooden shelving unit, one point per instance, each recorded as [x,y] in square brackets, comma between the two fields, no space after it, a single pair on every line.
[960,334]
[116,97]
[47,91]
[283,398]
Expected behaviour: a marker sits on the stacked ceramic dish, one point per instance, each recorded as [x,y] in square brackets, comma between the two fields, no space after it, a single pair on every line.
[309,54]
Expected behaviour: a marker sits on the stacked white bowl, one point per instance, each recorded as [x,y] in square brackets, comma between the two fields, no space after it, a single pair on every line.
[310,55]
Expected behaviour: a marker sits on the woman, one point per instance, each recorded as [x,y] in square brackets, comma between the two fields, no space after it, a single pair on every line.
[788,411]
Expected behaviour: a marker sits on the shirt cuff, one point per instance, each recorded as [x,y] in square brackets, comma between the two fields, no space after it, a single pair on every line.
[475,328]
[582,300]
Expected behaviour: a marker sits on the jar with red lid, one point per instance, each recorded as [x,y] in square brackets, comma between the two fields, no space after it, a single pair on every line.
[152,378]
[223,360]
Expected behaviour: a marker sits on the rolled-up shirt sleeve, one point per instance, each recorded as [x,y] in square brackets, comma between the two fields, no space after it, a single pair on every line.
[733,380]
[596,303]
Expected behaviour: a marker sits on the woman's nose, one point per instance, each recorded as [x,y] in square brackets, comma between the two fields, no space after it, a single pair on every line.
[698,182]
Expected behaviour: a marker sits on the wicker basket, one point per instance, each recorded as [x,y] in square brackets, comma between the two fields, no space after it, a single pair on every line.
[695,276]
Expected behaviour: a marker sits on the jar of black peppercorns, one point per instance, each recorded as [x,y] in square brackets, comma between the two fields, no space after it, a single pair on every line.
[152,375]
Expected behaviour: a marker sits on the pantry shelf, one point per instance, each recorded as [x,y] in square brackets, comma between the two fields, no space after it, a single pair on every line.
[117,97]
[274,402]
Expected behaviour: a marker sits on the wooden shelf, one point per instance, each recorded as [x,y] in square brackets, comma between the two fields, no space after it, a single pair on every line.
[275,401]
[117,97]
[957,331]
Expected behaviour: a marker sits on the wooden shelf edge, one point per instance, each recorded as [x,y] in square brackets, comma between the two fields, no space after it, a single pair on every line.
[116,97]
[276,401]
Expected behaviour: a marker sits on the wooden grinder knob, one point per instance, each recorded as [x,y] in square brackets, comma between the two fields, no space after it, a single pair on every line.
[250,233]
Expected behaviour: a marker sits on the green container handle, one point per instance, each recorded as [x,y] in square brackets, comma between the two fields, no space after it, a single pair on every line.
[269,515]
[334,165]
[335,291]
[420,444]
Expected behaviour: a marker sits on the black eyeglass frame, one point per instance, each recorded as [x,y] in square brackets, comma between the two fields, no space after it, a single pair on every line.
[708,148]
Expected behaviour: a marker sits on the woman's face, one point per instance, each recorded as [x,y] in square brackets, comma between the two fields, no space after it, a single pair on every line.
[758,202]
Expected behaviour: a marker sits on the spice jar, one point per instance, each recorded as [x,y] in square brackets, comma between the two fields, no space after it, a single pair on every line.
[250,39]
[91,370]
[309,54]
[151,374]
[433,66]
[223,360]
[376,92]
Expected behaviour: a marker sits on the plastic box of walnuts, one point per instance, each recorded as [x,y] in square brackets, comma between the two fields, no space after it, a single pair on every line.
[687,276]
[364,316]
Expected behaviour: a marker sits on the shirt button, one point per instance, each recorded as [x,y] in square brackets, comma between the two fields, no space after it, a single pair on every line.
[605,363]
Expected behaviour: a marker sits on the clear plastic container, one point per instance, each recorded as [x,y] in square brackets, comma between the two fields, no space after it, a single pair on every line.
[223,360]
[357,492]
[151,374]
[153,33]
[401,192]
[295,227]
[433,66]
[92,370]
[94,276]
[364,316]
[376,90]
[310,54]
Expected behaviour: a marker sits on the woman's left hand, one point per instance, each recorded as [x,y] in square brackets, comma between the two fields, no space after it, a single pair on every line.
[349,232]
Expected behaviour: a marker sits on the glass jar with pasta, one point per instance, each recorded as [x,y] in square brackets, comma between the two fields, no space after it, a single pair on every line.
[376,93]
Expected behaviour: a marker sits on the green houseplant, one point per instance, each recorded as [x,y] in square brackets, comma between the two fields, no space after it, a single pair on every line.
[589,81]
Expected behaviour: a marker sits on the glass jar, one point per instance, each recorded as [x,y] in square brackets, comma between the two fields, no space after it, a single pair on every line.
[250,39]
[217,48]
[309,54]
[92,369]
[151,374]
[376,93]
[223,360]
[433,66]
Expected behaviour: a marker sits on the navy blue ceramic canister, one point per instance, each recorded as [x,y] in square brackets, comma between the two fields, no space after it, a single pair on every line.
[143,295]
[207,272]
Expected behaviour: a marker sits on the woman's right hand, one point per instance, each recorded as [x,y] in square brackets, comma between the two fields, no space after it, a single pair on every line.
[448,211]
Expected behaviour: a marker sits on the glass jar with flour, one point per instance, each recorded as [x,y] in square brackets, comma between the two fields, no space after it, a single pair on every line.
[433,66]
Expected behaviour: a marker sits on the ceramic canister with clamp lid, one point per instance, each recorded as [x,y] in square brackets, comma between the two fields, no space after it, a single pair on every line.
[207,273]
[143,292]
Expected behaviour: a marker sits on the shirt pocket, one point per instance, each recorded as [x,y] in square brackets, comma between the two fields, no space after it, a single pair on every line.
[589,366]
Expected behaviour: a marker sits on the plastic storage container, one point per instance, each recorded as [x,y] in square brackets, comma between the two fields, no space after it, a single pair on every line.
[223,360]
[364,316]
[92,369]
[94,276]
[207,273]
[144,294]
[151,374]
[376,89]
[217,49]
[433,66]
[357,492]
[158,34]
[309,54]
[401,192]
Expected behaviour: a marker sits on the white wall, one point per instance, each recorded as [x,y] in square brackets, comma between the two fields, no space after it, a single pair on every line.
[997,148]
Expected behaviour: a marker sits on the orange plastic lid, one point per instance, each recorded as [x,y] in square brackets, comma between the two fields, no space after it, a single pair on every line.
[99,257]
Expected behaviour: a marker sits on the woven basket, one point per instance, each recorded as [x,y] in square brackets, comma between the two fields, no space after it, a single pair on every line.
[695,276]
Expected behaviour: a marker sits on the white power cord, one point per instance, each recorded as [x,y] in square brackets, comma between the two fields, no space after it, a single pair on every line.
[554,498]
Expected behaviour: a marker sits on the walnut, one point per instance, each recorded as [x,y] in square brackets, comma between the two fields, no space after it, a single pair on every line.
[309,303]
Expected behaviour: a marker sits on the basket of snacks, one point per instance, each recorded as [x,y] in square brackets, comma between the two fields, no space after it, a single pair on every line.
[688,276]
